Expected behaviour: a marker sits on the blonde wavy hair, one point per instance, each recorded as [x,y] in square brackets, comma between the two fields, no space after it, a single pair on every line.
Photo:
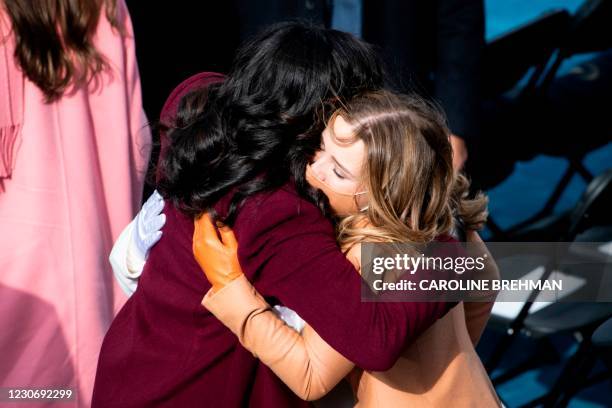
[414,193]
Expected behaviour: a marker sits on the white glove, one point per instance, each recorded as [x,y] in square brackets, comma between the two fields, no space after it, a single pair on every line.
[131,249]
[290,318]
[147,228]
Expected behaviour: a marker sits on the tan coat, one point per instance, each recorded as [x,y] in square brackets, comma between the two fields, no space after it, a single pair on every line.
[440,369]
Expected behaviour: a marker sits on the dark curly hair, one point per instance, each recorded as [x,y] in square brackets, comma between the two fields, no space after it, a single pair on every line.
[258,129]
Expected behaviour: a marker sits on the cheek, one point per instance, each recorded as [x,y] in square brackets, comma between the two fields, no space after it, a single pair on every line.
[317,156]
[343,186]
[318,167]
[337,185]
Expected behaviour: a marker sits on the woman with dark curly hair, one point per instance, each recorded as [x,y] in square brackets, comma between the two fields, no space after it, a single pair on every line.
[385,164]
[240,151]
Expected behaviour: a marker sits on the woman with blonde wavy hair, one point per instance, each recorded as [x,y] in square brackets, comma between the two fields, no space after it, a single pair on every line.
[385,164]
[74,144]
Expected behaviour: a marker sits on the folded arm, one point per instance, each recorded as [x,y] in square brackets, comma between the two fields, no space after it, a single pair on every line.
[287,249]
[304,361]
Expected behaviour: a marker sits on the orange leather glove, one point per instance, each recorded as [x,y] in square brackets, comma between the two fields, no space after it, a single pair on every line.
[218,258]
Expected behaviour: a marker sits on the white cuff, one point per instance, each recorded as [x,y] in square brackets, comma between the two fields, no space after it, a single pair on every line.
[126,269]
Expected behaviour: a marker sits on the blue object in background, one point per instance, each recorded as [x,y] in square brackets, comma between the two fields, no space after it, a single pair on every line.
[347,16]
[524,193]
[502,15]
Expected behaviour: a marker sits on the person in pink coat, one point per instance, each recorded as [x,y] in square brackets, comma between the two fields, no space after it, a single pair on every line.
[74,144]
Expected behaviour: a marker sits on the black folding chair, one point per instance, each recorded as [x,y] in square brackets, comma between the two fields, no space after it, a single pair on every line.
[591,211]
[559,36]
[588,31]
[599,346]
[511,56]
[602,341]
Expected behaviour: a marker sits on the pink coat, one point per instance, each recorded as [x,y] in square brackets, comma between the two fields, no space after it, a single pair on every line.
[77,181]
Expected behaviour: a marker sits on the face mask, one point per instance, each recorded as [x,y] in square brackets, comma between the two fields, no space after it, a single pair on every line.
[343,204]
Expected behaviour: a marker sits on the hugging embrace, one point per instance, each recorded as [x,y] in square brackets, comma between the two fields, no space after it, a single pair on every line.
[287,166]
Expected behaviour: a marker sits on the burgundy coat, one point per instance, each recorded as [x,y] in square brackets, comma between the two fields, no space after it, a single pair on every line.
[165,349]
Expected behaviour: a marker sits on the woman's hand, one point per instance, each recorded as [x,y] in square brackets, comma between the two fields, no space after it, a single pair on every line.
[147,228]
[218,258]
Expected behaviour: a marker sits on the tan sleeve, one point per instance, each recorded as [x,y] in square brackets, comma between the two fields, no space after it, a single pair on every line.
[305,362]
[477,313]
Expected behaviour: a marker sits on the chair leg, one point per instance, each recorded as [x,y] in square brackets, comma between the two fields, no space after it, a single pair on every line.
[565,378]
[543,355]
[558,191]
[582,170]
[497,355]
[582,379]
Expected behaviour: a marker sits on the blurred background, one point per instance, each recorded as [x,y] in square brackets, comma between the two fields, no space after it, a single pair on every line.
[527,93]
